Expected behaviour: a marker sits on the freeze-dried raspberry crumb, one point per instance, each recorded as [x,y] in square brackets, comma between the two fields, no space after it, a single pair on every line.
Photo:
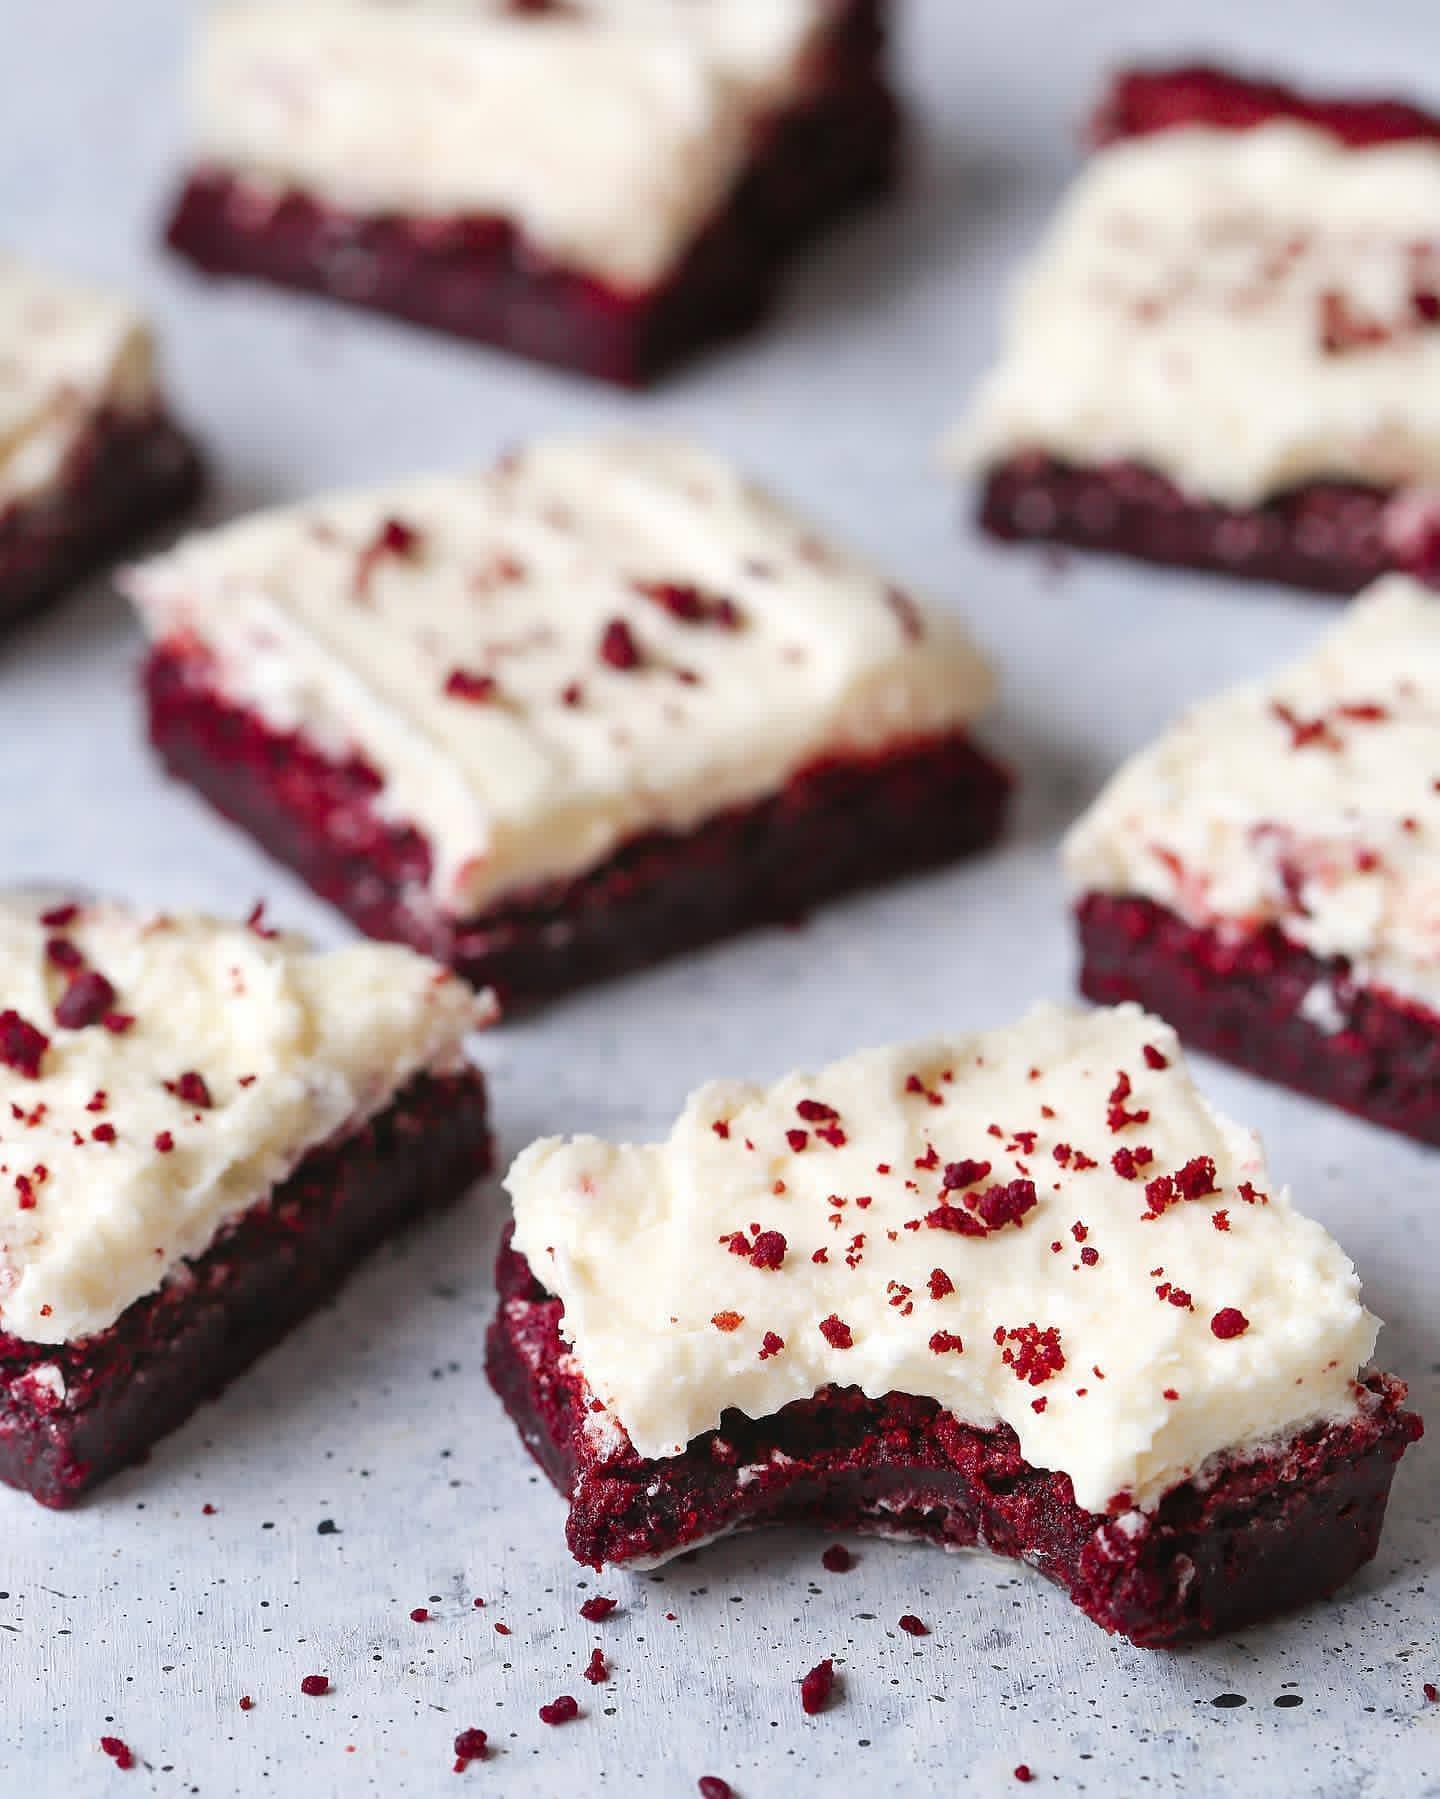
[940,1283]
[1229,1322]
[247,1704]
[470,1747]
[119,1752]
[837,1559]
[913,1627]
[315,1686]
[475,690]
[770,1345]
[836,1332]
[946,1343]
[1037,1353]
[728,1321]
[85,1001]
[768,1250]
[559,1711]
[192,1090]
[713,1787]
[618,646]
[420,1615]
[817,1686]
[22,1047]
[598,1669]
[963,1174]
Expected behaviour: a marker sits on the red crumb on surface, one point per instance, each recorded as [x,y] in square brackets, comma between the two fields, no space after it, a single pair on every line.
[770,1345]
[817,1686]
[836,1332]
[22,1047]
[314,1686]
[191,1089]
[728,1321]
[713,1787]
[597,1669]
[768,1250]
[618,647]
[119,1752]
[1229,1322]
[1036,1355]
[560,1711]
[475,690]
[837,1559]
[470,1746]
[940,1283]
[247,1704]
[913,1626]
[946,1343]
[420,1615]
[1431,1692]
[164,1142]
[1023,1774]
[597,1608]
[85,1001]
[502,1630]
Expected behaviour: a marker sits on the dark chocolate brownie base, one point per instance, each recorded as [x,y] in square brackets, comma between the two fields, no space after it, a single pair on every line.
[835,828]
[128,476]
[1329,536]
[1267,1533]
[128,1386]
[1245,1001]
[479,278]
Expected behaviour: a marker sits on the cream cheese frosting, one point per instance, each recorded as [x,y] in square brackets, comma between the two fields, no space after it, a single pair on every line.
[1244,311]
[437,108]
[1311,801]
[1131,1294]
[224,1054]
[67,352]
[546,659]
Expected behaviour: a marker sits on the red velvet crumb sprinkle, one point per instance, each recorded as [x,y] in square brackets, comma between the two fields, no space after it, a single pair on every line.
[1037,1354]
[692,605]
[470,1746]
[119,1752]
[768,1250]
[1229,1322]
[913,1627]
[713,1787]
[1089,1255]
[797,1140]
[420,1615]
[58,917]
[817,1686]
[1023,1774]
[940,1283]
[1155,1058]
[475,690]
[598,1669]
[597,1608]
[164,1142]
[770,1345]
[728,1321]
[618,646]
[85,1001]
[559,1711]
[247,1704]
[191,1089]
[836,1332]
[1431,1692]
[315,1686]
[837,1559]
[963,1174]
[946,1343]
[22,1047]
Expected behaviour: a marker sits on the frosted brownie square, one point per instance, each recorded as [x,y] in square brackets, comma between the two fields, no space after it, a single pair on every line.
[203,1127]
[1266,875]
[600,703]
[1226,353]
[602,184]
[1021,1290]
[89,457]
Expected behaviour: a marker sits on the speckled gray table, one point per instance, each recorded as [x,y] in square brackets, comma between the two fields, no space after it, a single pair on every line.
[365,1469]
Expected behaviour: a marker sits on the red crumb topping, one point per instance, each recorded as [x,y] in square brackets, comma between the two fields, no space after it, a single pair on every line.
[618,646]
[1089,1255]
[1196,1180]
[119,1752]
[817,1686]
[1127,1163]
[940,1283]
[22,1047]
[836,1332]
[768,1250]
[1117,1115]
[420,1615]
[1023,1774]
[470,1747]
[713,1787]
[797,1139]
[85,1001]
[1220,1219]
[314,1686]
[597,1669]
[164,1142]
[191,1089]
[58,917]
[770,1345]
[946,1343]
[247,1704]
[1155,1058]
[815,1111]
[1036,1355]
[728,1321]
[1229,1322]
[913,1627]
[559,1711]
[721,1128]
[1431,1692]
[963,1174]
[1252,1195]
[837,1559]
[692,605]
[60,952]
[118,1022]
[597,1608]
[476,690]
[989,1211]
[394,538]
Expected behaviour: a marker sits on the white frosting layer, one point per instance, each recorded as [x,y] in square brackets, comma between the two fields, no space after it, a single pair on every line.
[66,353]
[610,132]
[1179,311]
[515,575]
[1309,801]
[631,1239]
[295,1047]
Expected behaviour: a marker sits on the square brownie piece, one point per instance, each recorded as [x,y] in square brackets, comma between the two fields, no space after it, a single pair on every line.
[1265,874]
[1015,1290]
[1225,353]
[602,184]
[601,703]
[205,1127]
[89,457]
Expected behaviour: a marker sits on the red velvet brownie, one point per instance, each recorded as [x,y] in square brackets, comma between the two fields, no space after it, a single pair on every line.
[1265,876]
[205,1127]
[89,458]
[602,184]
[599,704]
[1023,1290]
[1225,354]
